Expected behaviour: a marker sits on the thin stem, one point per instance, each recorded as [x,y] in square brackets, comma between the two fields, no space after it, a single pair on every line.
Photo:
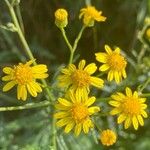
[99,129]
[145,95]
[53,145]
[28,51]
[27,106]
[88,2]
[66,39]
[78,38]
[144,85]
[20,17]
[22,38]
[71,57]
[72,48]
[76,44]
[25,44]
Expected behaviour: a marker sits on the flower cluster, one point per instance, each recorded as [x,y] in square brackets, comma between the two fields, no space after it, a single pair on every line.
[74,108]
[89,15]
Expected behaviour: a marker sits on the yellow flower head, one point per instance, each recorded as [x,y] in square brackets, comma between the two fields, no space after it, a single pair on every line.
[79,79]
[61,18]
[114,63]
[24,76]
[130,107]
[74,112]
[147,32]
[108,137]
[90,14]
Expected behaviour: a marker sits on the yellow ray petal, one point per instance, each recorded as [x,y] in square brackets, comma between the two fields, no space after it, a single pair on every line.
[110,75]
[135,122]
[97,82]
[21,92]
[85,127]
[90,101]
[144,113]
[93,109]
[114,103]
[127,122]
[69,127]
[101,57]
[104,67]
[63,122]
[140,119]
[81,64]
[39,69]
[108,49]
[31,90]
[128,91]
[7,78]
[91,68]
[117,77]
[78,128]
[7,70]
[115,111]
[121,118]
[64,102]
[9,86]
[62,114]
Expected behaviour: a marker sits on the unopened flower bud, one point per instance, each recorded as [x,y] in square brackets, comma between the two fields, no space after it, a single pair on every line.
[61,18]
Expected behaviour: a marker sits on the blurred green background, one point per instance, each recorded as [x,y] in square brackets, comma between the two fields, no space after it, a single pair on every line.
[30,129]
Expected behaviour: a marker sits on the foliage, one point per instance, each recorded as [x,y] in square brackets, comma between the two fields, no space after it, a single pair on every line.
[126,26]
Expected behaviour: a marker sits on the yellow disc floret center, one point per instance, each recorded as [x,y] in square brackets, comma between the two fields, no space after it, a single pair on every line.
[79,112]
[61,14]
[131,106]
[23,74]
[116,62]
[108,137]
[81,78]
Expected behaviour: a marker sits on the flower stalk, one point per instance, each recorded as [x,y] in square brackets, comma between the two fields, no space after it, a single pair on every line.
[26,106]
[29,53]
[74,47]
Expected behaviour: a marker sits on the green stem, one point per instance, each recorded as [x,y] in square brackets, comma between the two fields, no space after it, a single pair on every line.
[27,106]
[88,2]
[144,85]
[76,44]
[54,146]
[20,17]
[71,57]
[28,51]
[25,44]
[72,48]
[78,38]
[14,18]
[145,95]
[66,39]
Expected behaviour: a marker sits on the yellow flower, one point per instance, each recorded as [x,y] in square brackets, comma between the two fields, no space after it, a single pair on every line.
[114,63]
[24,76]
[74,112]
[61,18]
[80,79]
[130,107]
[108,137]
[90,14]
[148,33]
